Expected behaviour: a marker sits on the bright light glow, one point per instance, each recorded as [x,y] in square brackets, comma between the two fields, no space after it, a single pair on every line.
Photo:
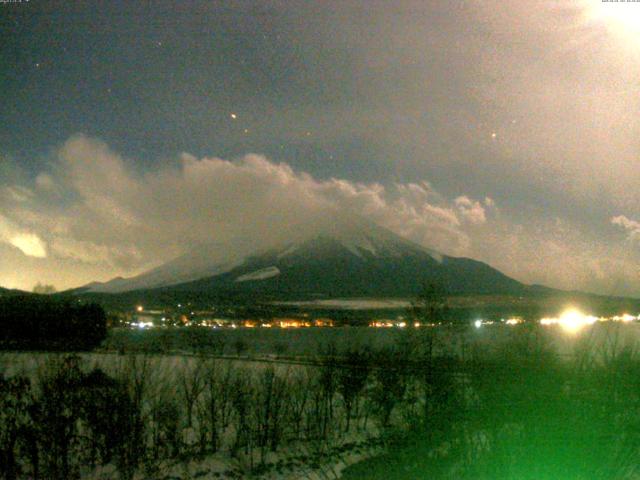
[619,15]
[627,318]
[573,320]
[478,323]
[570,320]
[29,244]
[139,308]
[513,321]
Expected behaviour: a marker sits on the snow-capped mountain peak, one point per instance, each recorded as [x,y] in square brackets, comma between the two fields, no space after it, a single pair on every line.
[348,258]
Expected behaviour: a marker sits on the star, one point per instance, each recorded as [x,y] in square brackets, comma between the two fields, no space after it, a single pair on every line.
[234,116]
[246,130]
[494,135]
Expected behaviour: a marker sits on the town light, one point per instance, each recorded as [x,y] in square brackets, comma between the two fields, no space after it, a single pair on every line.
[573,320]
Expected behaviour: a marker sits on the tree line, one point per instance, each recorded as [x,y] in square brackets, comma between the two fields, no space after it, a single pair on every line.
[134,414]
[35,322]
[512,409]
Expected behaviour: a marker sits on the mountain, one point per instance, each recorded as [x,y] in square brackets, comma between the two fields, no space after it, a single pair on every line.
[359,259]
[203,262]
[326,267]
[7,291]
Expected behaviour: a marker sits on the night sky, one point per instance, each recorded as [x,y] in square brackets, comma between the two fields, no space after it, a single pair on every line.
[132,132]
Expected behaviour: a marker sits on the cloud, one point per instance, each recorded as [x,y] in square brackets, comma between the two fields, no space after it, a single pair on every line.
[95,216]
[472,211]
[557,253]
[45,182]
[28,243]
[89,252]
[412,210]
[632,227]
[111,216]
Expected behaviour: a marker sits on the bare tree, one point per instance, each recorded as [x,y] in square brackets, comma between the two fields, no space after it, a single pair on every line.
[165,416]
[391,382]
[268,411]
[57,414]
[14,417]
[135,374]
[299,385]
[241,400]
[44,289]
[191,382]
[215,405]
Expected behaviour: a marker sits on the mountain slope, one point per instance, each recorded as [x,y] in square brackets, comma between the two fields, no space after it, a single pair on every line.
[13,291]
[326,267]
[359,259]
[202,262]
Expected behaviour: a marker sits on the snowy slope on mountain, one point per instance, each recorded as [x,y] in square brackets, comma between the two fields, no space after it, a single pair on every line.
[330,267]
[341,259]
[203,262]
[261,274]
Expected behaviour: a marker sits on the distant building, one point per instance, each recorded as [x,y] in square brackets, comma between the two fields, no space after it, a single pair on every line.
[388,323]
[290,323]
[323,322]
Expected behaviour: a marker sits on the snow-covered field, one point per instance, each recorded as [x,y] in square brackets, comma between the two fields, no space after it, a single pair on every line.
[251,341]
[310,342]
[271,420]
[193,415]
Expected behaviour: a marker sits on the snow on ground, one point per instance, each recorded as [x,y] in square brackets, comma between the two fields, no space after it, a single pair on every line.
[294,459]
[297,462]
[352,303]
